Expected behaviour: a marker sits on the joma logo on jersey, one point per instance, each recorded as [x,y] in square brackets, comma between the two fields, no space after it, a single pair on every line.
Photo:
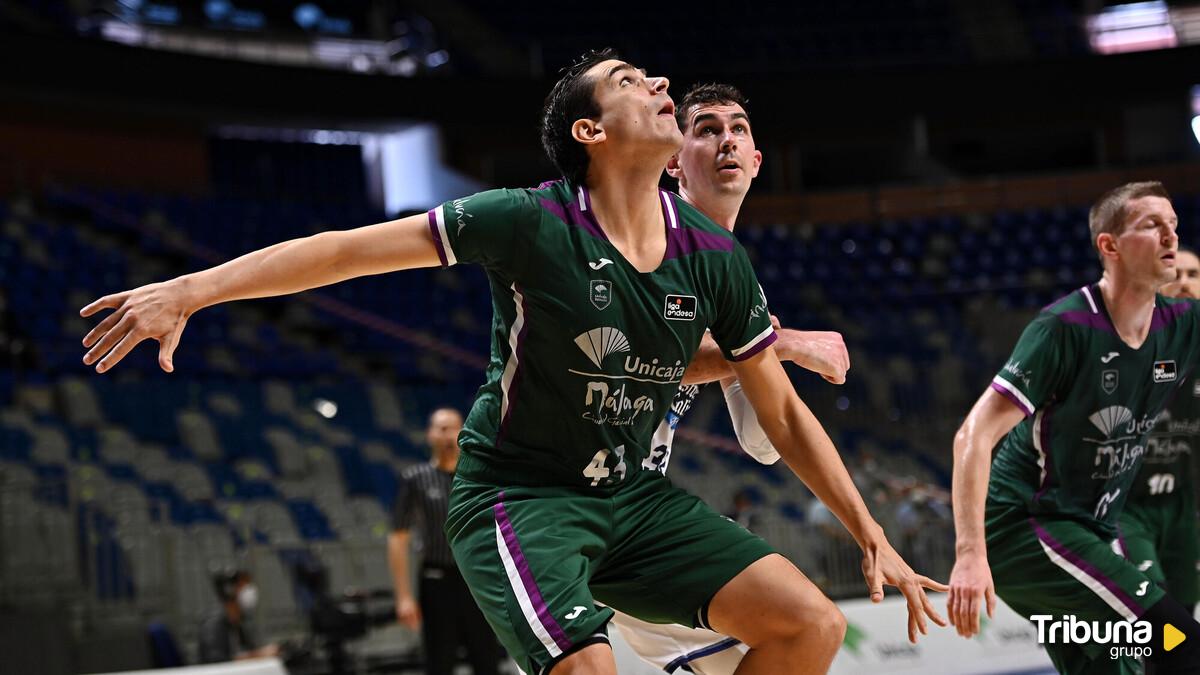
[1164,371]
[680,307]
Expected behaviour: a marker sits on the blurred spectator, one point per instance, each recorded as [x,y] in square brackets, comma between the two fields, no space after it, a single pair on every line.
[447,611]
[15,346]
[744,512]
[225,635]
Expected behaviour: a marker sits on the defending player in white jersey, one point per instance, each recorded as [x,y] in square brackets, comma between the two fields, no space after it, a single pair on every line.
[714,167]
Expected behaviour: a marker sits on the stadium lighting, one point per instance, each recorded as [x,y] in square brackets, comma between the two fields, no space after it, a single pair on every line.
[1196,112]
[325,408]
[1132,27]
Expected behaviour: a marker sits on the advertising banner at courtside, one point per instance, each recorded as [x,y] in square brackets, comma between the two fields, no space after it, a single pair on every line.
[877,641]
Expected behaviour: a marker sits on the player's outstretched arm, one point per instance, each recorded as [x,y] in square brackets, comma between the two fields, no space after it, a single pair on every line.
[807,450]
[160,311]
[971,585]
[823,352]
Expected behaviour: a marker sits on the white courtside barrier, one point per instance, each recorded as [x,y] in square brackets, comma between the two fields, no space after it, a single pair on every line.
[251,667]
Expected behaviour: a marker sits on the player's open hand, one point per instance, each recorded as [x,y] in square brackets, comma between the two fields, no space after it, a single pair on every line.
[970,587]
[156,311]
[821,351]
[883,565]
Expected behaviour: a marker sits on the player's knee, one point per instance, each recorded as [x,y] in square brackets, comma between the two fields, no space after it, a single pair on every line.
[838,624]
[828,624]
[814,619]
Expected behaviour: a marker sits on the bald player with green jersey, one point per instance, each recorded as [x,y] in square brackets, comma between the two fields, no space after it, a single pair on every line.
[602,286]
[1070,412]
[1158,525]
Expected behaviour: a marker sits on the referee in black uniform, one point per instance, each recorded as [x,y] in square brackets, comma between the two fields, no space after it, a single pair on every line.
[447,610]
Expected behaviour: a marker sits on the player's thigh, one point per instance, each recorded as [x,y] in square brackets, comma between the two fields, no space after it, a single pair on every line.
[671,553]
[1180,556]
[1059,567]
[773,598]
[1141,532]
[526,558]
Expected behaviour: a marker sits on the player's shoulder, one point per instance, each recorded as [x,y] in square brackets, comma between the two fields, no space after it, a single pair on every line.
[692,218]
[690,232]
[1167,309]
[1078,310]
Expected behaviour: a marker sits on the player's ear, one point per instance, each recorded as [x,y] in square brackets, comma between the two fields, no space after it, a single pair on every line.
[1106,243]
[756,162]
[673,169]
[587,131]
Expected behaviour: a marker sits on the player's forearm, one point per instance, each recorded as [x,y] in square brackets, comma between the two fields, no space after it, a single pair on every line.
[803,443]
[708,364]
[972,467]
[806,449]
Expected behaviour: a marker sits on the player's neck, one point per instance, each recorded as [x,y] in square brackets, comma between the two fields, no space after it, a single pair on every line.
[628,208]
[722,210]
[1130,305]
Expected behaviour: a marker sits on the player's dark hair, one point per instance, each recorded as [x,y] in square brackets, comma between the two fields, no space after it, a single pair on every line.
[572,98]
[1109,212]
[713,93]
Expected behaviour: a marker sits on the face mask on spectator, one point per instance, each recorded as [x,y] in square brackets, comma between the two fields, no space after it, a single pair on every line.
[248,597]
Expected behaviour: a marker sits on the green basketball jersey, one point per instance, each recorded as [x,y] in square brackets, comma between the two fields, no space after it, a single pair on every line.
[1090,401]
[1167,466]
[587,351]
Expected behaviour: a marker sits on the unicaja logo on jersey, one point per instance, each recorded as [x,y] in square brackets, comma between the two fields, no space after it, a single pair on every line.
[1110,418]
[1123,442]
[598,343]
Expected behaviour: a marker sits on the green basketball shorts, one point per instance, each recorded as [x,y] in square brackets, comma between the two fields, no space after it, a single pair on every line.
[1161,538]
[538,559]
[1059,567]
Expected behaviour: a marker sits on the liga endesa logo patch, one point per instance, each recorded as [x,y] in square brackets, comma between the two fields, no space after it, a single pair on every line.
[680,307]
[1127,638]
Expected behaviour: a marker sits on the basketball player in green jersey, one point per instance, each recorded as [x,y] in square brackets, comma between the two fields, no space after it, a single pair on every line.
[1158,525]
[602,287]
[1071,411]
